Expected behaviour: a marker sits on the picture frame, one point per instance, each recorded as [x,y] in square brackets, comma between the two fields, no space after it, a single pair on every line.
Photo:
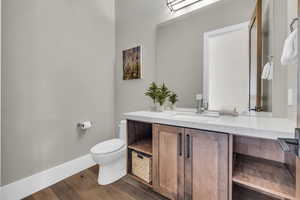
[132,63]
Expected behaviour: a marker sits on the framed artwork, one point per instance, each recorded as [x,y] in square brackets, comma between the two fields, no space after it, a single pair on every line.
[132,63]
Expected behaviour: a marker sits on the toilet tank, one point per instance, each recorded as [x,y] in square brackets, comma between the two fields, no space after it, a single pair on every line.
[123,131]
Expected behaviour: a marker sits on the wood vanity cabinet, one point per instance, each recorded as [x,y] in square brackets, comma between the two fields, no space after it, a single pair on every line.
[190,164]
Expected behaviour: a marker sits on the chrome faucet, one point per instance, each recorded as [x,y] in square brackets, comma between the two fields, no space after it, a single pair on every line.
[205,105]
[199,106]
[202,104]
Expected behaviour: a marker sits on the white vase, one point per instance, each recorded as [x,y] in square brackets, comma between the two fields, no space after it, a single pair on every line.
[160,108]
[173,107]
[153,108]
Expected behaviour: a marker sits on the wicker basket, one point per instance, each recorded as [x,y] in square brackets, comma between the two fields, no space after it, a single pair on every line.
[142,166]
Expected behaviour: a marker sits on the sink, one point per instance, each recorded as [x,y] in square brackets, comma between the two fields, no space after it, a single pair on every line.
[192,115]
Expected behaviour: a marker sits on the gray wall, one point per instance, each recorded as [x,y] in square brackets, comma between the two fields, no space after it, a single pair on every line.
[279,83]
[0,98]
[180,46]
[136,22]
[292,12]
[58,69]
[268,50]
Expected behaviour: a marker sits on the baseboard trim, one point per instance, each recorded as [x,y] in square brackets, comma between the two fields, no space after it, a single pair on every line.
[27,186]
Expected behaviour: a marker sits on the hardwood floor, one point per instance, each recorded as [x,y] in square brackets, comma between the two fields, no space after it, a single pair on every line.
[84,186]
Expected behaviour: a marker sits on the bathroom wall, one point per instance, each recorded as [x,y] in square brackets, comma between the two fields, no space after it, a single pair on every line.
[57,69]
[292,12]
[0,98]
[279,83]
[136,22]
[180,46]
[268,50]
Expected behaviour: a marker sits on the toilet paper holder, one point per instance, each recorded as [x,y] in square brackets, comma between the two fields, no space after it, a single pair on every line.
[84,125]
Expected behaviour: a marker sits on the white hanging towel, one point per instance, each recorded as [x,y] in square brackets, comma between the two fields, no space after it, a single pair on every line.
[290,49]
[271,69]
[266,71]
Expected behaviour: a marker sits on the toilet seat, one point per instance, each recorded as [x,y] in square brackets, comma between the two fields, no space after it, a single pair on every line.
[108,146]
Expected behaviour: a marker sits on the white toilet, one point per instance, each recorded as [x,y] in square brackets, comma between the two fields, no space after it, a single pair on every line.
[111,157]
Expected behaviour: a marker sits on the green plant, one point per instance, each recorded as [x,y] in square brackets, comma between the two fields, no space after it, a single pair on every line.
[162,94]
[152,92]
[173,98]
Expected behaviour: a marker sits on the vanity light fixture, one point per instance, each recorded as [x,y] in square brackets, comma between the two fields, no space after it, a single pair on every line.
[175,5]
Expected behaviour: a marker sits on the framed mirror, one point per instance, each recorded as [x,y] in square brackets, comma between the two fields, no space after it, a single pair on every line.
[225,61]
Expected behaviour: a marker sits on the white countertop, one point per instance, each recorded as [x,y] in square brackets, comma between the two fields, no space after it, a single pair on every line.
[250,126]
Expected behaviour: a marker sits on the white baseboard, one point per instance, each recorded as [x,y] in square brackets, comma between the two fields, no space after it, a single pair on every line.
[27,186]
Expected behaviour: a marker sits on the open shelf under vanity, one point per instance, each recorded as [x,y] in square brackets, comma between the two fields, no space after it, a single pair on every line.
[242,193]
[143,146]
[261,171]
[140,142]
[265,176]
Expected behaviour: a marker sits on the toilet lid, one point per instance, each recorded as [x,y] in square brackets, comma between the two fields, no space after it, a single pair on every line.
[108,146]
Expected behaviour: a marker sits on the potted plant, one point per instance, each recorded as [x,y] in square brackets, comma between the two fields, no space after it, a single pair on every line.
[173,98]
[152,92]
[162,94]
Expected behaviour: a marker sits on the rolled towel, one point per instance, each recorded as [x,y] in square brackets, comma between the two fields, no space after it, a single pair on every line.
[271,71]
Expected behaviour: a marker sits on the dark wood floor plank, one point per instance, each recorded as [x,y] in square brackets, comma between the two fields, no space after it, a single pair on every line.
[29,198]
[64,192]
[135,192]
[46,194]
[84,186]
[94,169]
[108,191]
[142,187]
[112,193]
[138,185]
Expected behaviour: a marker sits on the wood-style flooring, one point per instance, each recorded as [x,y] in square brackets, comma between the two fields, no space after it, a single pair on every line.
[84,186]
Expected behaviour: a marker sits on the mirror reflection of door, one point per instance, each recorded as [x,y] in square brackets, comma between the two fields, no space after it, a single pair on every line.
[226,71]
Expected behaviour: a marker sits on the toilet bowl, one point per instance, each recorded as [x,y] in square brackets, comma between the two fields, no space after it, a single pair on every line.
[111,156]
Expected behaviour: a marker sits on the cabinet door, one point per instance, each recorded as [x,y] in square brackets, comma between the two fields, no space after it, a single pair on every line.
[168,161]
[206,165]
